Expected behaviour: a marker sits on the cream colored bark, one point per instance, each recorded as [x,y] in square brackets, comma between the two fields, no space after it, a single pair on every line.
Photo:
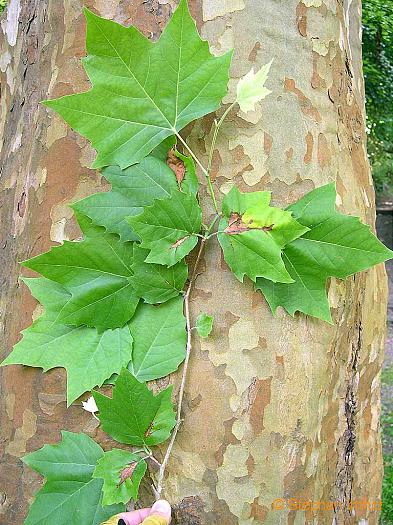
[275,407]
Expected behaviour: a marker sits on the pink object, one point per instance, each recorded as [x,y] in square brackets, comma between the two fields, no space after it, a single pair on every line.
[160,508]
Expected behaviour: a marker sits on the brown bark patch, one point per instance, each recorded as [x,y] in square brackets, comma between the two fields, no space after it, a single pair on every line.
[316,80]
[289,154]
[267,142]
[259,395]
[310,147]
[254,52]
[324,155]
[258,512]
[306,105]
[301,19]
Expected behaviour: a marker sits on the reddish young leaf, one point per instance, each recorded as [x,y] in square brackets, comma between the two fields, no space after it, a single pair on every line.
[127,472]
[177,166]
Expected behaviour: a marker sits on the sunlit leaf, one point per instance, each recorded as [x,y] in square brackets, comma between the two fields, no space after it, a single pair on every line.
[251,88]
[143,91]
[336,245]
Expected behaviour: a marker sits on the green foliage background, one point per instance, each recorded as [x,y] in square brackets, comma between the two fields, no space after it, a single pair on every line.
[378,71]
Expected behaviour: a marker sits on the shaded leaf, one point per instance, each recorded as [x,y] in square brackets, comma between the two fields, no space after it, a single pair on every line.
[142,91]
[122,473]
[336,245]
[204,325]
[97,273]
[168,228]
[132,189]
[156,283]
[70,492]
[90,357]
[134,415]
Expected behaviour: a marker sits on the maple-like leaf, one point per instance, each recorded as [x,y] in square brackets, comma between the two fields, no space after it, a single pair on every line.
[251,88]
[159,334]
[122,472]
[336,245]
[70,494]
[89,356]
[253,235]
[143,91]
[134,415]
[97,273]
[237,202]
[156,283]
[169,227]
[132,189]
[204,325]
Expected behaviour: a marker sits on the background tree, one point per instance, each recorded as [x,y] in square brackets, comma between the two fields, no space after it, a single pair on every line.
[276,407]
[378,72]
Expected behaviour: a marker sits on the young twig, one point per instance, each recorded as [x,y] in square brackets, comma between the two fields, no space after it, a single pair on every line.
[165,461]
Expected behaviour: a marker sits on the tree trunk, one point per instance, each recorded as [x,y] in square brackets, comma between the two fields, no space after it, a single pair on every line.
[275,407]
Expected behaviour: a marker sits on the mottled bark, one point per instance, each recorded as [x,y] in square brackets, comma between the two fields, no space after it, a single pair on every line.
[275,407]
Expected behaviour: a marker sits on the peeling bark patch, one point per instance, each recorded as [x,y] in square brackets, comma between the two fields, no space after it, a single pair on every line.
[289,154]
[17,447]
[324,155]
[301,18]
[254,52]
[310,147]
[258,512]
[212,9]
[267,142]
[305,103]
[11,24]
[189,511]
[259,396]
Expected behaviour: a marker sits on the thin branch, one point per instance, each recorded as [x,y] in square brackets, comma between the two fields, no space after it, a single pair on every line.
[165,461]
[217,126]
[204,170]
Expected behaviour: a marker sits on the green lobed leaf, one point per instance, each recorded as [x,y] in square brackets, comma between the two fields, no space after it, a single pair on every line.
[204,325]
[97,272]
[169,228]
[156,283]
[237,202]
[134,415]
[89,356]
[251,88]
[143,91]
[70,494]
[132,189]
[159,334]
[253,234]
[122,473]
[336,245]
[280,224]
